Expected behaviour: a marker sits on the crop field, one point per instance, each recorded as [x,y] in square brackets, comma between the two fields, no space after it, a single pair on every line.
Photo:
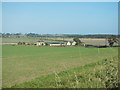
[32,66]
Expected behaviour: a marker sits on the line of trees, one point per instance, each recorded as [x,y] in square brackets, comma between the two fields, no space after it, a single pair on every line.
[18,35]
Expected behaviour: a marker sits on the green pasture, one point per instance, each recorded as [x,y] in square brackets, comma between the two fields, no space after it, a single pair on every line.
[24,63]
[101,74]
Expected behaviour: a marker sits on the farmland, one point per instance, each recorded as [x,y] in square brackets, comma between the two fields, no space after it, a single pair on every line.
[26,63]
[91,41]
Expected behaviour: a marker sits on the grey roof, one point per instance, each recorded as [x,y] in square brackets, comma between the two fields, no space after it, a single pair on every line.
[55,43]
[71,41]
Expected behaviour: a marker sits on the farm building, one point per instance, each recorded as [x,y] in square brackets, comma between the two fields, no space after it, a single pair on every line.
[69,43]
[56,44]
[40,43]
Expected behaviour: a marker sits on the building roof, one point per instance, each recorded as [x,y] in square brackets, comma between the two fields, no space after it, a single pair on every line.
[55,43]
[40,41]
[71,41]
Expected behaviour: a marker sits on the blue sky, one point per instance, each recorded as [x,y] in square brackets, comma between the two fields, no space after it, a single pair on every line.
[60,17]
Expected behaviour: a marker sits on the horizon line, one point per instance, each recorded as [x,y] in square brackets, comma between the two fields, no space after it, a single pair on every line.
[60,0]
[65,33]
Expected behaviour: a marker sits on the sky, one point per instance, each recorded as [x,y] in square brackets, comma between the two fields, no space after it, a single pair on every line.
[60,17]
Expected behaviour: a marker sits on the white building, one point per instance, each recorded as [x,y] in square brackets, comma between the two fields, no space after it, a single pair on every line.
[69,43]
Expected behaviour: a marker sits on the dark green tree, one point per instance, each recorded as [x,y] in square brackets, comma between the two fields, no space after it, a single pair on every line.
[77,40]
[112,39]
[46,44]
[19,43]
[23,43]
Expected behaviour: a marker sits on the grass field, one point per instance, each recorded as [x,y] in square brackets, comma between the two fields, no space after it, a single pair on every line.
[103,74]
[24,63]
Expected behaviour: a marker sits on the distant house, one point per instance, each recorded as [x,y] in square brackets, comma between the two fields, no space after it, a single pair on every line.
[40,43]
[56,44]
[69,43]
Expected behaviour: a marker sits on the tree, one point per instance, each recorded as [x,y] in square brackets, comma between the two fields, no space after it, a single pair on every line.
[46,44]
[23,43]
[78,42]
[19,43]
[112,39]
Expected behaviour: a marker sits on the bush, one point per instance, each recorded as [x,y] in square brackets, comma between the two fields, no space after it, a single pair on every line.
[21,43]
